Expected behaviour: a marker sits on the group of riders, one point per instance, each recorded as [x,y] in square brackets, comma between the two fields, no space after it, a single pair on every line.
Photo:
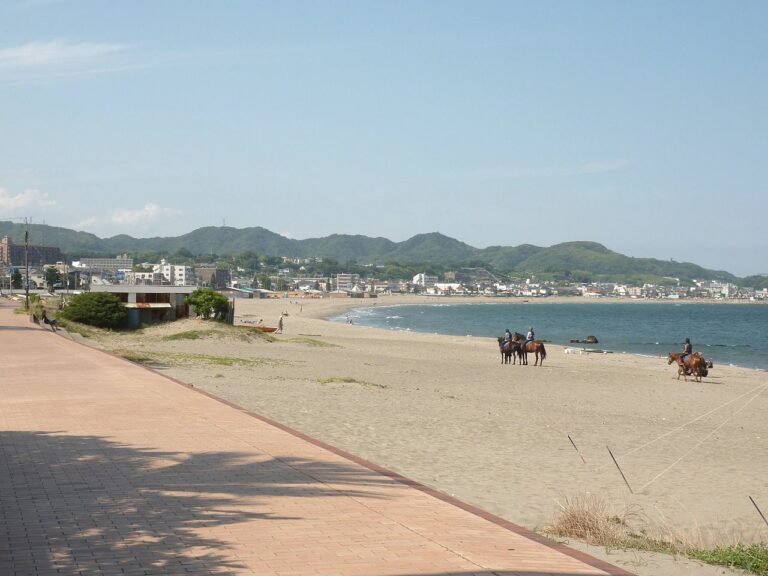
[514,345]
[528,338]
[689,362]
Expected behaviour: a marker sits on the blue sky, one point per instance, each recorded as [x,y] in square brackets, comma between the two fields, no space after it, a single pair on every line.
[641,125]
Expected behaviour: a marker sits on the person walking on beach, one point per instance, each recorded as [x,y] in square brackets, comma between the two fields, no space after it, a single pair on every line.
[280,325]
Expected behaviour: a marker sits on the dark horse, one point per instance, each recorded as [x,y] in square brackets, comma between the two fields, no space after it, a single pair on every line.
[536,347]
[509,351]
[695,364]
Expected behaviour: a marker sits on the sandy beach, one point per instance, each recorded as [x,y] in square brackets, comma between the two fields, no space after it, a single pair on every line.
[444,411]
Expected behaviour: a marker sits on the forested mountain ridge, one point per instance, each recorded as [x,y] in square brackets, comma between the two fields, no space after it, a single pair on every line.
[576,261]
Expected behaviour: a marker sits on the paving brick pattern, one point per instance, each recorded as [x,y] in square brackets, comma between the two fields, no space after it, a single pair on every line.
[107,468]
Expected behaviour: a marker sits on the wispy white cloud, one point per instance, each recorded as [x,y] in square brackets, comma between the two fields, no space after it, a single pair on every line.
[148,213]
[28,199]
[126,220]
[56,53]
[43,61]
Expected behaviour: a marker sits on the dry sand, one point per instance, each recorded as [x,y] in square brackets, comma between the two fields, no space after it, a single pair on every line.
[444,411]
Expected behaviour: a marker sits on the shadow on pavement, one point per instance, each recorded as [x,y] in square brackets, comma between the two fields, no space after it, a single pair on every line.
[85,505]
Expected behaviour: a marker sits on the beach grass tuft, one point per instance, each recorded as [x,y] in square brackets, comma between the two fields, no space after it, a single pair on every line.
[589,518]
[77,328]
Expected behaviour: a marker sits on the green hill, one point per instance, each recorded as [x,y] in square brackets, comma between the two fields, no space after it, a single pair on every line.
[66,239]
[578,261]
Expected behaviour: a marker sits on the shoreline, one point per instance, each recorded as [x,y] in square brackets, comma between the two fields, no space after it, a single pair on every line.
[461,300]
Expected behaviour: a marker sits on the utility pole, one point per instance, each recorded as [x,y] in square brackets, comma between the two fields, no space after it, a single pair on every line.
[26,263]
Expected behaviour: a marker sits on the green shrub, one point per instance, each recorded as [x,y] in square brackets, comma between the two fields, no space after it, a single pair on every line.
[35,307]
[96,309]
[207,303]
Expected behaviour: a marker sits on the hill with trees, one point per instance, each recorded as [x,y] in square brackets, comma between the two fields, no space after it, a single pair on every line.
[569,261]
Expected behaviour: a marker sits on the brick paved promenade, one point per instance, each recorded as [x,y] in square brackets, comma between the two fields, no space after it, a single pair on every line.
[108,468]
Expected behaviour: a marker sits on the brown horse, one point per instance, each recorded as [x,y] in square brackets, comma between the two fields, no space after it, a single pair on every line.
[506,349]
[536,347]
[510,350]
[695,364]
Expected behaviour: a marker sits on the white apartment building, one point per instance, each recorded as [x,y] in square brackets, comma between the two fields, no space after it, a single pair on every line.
[176,275]
[424,280]
[144,278]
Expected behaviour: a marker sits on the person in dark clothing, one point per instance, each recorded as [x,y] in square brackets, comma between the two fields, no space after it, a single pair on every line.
[687,349]
[51,323]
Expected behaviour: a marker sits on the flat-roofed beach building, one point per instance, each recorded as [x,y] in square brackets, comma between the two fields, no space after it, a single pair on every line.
[150,304]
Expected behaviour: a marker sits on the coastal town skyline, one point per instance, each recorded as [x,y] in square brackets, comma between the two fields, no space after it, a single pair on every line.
[638,127]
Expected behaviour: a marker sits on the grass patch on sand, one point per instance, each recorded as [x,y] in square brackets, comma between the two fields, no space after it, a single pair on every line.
[249,333]
[137,357]
[753,557]
[221,331]
[182,359]
[348,380]
[310,342]
[189,335]
[77,328]
[589,519]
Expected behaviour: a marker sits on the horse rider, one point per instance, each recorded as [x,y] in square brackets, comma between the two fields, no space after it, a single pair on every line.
[529,337]
[687,351]
[507,340]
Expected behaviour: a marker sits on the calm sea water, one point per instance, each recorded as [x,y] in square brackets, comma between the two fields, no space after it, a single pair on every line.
[726,334]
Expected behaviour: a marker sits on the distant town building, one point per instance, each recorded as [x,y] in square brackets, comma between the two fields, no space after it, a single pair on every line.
[425,280]
[346,281]
[109,265]
[176,275]
[212,276]
[14,254]
[144,278]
